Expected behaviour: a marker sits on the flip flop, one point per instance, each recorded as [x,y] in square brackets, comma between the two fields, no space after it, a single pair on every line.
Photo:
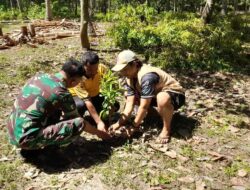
[162,140]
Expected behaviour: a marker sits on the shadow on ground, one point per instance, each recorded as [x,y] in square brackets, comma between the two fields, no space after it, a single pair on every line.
[84,153]
[80,154]
[182,127]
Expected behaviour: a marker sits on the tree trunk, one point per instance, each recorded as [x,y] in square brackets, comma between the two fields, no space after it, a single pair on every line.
[19,4]
[11,6]
[168,6]
[235,6]
[246,4]
[76,7]
[48,14]
[91,28]
[207,12]
[1,32]
[104,6]
[174,5]
[84,24]
[224,7]
[110,4]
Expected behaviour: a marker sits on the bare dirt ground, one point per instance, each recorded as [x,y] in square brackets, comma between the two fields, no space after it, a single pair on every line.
[210,147]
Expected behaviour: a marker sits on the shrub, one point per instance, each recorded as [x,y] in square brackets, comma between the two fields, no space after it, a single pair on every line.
[178,40]
[36,12]
[10,14]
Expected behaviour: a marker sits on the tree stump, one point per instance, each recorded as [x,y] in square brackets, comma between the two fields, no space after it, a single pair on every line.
[32,30]
[24,30]
[24,35]
[1,32]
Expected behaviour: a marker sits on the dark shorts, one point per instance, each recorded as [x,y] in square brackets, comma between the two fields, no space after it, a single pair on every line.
[177,100]
[96,101]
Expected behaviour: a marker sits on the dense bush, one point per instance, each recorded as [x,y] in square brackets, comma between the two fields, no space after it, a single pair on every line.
[178,39]
[62,10]
[9,14]
[31,12]
[36,11]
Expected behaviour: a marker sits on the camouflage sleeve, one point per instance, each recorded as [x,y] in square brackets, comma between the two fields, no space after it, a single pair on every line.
[68,105]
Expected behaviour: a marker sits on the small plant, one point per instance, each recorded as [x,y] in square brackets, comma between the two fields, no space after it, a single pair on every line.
[232,169]
[111,90]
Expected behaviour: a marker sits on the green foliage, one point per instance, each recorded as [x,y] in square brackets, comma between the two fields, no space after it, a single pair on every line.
[159,178]
[10,14]
[237,165]
[36,11]
[8,175]
[179,40]
[111,91]
[26,71]
[23,72]
[62,10]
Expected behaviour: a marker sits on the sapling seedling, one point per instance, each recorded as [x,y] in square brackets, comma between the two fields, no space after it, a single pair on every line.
[112,92]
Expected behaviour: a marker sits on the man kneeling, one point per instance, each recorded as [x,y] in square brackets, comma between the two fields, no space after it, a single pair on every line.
[44,112]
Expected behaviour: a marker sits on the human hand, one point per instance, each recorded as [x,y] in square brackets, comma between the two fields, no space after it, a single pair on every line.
[101,126]
[128,131]
[113,128]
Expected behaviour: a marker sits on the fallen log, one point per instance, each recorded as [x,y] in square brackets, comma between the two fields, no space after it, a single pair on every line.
[9,41]
[59,34]
[3,47]
[31,45]
[58,24]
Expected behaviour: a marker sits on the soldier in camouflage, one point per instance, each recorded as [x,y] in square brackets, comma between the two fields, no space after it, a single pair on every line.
[44,113]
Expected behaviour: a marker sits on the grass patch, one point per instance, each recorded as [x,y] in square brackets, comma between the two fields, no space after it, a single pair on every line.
[9,175]
[188,151]
[237,165]
[158,178]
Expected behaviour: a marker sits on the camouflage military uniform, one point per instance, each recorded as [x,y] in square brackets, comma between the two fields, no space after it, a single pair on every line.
[35,119]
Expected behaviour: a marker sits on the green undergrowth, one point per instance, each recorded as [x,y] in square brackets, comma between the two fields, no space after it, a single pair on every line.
[181,40]
[9,174]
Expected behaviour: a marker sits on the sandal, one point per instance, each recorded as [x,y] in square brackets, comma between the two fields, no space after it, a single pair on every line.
[163,140]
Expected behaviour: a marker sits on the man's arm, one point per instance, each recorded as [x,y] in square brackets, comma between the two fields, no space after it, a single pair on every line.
[92,130]
[142,111]
[129,106]
[91,108]
[125,114]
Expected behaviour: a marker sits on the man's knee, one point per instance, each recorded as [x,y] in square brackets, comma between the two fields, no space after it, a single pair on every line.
[80,105]
[78,125]
[164,100]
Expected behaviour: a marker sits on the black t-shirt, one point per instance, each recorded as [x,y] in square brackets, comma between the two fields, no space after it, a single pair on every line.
[148,83]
